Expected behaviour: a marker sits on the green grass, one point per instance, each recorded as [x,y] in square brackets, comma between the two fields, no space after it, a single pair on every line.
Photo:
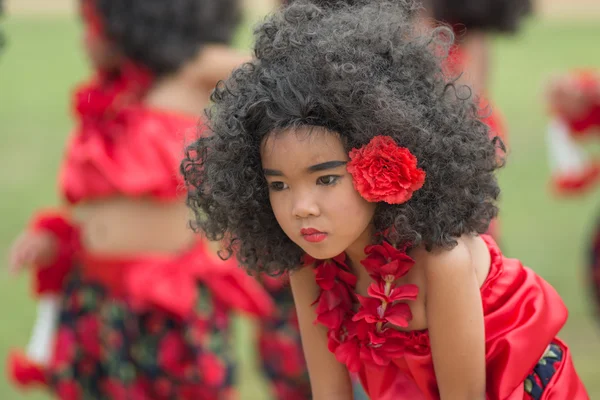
[43,61]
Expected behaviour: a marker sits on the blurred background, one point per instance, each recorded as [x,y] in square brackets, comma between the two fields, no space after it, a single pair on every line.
[42,60]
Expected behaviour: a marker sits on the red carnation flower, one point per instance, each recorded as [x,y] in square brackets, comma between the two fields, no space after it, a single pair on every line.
[384,171]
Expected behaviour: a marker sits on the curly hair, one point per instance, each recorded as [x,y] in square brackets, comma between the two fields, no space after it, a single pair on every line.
[163,35]
[357,70]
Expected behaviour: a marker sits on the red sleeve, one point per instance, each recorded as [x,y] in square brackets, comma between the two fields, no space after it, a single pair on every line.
[49,278]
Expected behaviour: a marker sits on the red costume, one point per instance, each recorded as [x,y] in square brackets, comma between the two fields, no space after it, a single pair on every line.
[523,314]
[142,326]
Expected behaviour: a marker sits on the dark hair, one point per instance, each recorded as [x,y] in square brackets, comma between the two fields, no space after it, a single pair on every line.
[359,71]
[163,34]
[488,15]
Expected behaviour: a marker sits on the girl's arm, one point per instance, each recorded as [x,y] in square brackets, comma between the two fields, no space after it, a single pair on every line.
[456,325]
[329,378]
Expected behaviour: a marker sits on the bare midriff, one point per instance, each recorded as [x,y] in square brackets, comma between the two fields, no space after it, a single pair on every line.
[123,225]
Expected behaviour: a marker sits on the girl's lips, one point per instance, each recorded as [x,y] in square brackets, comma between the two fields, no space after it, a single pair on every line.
[313,235]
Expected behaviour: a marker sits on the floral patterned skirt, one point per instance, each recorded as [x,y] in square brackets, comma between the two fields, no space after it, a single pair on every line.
[542,373]
[104,350]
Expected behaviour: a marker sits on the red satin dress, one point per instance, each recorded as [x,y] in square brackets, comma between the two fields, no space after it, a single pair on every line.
[523,315]
[141,326]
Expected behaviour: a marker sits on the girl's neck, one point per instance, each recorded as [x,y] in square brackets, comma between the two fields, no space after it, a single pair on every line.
[355,253]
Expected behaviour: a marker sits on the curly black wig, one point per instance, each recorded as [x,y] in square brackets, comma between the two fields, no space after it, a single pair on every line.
[357,70]
[162,35]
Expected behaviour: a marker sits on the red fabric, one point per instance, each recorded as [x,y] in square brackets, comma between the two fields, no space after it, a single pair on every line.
[50,278]
[577,183]
[587,122]
[137,154]
[523,314]
[170,283]
[23,372]
[120,146]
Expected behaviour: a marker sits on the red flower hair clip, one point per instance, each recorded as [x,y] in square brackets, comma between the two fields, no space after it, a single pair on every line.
[384,171]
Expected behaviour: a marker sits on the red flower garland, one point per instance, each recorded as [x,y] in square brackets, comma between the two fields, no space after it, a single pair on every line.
[384,171]
[365,336]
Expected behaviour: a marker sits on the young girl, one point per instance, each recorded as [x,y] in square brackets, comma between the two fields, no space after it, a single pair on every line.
[574,103]
[345,156]
[142,305]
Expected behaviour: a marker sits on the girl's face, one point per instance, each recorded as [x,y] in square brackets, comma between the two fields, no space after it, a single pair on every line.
[101,52]
[312,195]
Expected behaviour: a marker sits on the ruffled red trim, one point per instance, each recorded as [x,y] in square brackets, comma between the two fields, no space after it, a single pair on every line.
[577,183]
[120,146]
[23,372]
[366,336]
[170,283]
[50,278]
[136,154]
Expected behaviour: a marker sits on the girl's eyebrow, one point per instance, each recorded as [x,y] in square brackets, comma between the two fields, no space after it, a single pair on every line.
[313,168]
[326,165]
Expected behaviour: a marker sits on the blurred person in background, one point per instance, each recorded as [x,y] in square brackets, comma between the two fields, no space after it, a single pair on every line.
[131,303]
[573,100]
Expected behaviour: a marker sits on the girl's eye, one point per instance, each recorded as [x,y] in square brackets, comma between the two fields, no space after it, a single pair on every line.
[328,180]
[277,186]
